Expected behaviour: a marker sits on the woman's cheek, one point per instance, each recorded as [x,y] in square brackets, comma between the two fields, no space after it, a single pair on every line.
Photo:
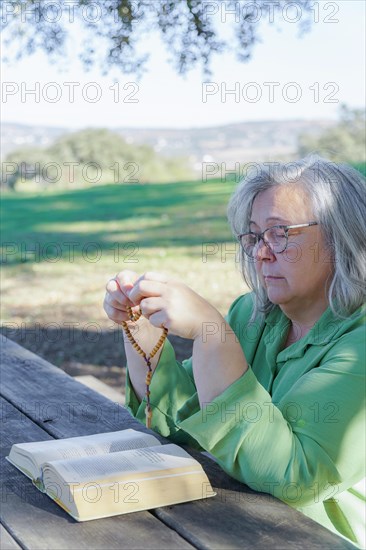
[258,268]
[293,253]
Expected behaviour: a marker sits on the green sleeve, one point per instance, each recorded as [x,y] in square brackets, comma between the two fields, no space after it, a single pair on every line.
[302,439]
[172,385]
[300,448]
[304,449]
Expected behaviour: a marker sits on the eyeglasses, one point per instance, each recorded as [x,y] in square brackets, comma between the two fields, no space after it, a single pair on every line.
[275,238]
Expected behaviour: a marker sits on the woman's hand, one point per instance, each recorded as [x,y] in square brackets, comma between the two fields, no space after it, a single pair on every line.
[116,298]
[144,333]
[169,303]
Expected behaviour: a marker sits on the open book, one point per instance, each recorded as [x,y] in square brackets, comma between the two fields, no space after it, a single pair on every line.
[106,474]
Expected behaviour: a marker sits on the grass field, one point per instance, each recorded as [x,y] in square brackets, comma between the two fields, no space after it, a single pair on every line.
[60,248]
[360,166]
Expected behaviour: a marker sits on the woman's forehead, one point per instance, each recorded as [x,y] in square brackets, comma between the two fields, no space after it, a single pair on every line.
[285,202]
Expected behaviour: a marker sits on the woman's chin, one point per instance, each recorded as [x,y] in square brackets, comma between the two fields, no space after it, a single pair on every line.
[275,296]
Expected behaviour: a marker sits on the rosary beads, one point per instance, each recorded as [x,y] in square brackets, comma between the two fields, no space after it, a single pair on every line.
[136,317]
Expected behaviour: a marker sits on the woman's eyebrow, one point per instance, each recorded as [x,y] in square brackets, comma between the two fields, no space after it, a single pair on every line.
[276,219]
[272,218]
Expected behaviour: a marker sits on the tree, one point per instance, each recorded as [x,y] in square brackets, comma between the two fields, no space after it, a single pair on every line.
[190,29]
[90,157]
[343,142]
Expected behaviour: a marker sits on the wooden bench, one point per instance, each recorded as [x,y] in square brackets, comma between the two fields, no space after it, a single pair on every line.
[39,401]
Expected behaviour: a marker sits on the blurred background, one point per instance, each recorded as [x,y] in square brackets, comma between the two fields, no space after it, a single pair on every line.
[127,124]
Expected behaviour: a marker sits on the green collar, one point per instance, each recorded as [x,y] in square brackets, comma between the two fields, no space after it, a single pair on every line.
[327,328]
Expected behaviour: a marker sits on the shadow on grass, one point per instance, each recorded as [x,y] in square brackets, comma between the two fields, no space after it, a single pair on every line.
[46,227]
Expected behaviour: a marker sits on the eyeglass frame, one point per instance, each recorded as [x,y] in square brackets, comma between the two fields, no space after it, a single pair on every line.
[259,236]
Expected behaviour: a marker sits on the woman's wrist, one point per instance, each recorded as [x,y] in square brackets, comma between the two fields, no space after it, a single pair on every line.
[213,325]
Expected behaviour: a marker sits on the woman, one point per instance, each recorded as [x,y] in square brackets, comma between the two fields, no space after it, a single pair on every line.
[276,390]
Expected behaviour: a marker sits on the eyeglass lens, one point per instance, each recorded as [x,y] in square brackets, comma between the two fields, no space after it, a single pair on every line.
[274,237]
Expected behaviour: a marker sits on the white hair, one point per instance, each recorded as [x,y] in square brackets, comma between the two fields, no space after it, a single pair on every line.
[337,193]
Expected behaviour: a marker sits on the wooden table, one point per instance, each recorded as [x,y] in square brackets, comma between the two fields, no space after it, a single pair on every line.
[39,401]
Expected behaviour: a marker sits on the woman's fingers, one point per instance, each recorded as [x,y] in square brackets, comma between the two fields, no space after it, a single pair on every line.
[163,301]
[149,306]
[115,297]
[129,290]
[125,280]
[145,288]
[114,314]
[119,287]
[154,276]
[159,320]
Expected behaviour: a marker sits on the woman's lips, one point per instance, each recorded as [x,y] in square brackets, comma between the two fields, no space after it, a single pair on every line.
[272,278]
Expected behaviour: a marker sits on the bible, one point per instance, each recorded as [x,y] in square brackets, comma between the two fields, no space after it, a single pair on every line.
[113,473]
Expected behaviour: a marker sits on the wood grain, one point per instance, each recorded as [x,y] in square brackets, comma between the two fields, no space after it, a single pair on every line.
[41,401]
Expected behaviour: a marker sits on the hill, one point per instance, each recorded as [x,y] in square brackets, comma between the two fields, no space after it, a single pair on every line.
[239,142]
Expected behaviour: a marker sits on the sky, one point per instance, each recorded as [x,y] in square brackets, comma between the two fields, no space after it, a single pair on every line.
[289,77]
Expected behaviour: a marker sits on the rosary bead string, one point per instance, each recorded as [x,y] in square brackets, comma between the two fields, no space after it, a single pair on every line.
[135,317]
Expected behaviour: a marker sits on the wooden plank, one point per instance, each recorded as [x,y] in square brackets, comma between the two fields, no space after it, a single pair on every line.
[99,386]
[6,540]
[240,517]
[54,401]
[37,522]
[236,517]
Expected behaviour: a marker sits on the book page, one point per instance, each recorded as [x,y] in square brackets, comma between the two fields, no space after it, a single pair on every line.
[126,481]
[84,446]
[121,464]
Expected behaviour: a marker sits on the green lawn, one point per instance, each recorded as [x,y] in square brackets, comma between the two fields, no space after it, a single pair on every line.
[60,248]
[176,215]
[80,239]
[360,166]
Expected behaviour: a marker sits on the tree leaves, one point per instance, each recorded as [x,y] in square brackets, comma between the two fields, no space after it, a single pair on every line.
[190,29]
[344,142]
[90,157]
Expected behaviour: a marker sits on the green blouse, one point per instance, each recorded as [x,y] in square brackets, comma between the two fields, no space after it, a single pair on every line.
[293,425]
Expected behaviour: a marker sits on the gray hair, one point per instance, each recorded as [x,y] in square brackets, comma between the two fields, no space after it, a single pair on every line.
[337,193]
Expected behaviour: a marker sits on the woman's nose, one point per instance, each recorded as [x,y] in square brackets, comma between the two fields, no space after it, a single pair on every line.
[263,251]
